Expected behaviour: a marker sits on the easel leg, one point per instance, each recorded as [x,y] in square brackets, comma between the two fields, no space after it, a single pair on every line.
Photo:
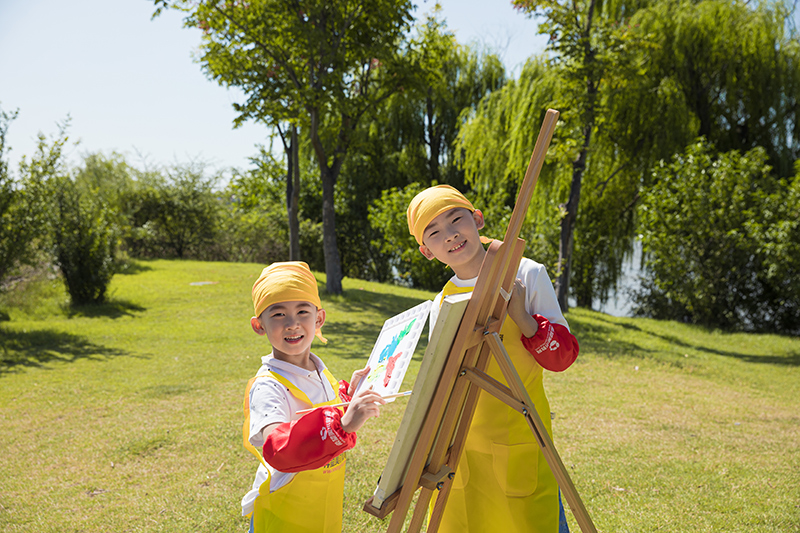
[542,437]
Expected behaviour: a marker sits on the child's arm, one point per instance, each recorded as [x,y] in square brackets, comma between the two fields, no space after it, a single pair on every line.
[313,440]
[552,345]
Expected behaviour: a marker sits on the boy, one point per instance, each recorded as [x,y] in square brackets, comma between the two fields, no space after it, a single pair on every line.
[503,482]
[299,485]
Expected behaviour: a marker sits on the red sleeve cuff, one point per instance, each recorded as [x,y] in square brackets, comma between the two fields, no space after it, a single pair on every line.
[553,346]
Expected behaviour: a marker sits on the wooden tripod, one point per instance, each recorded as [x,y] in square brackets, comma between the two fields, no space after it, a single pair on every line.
[441,440]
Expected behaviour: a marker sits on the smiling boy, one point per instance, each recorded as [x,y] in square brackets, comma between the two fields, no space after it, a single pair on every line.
[503,482]
[299,485]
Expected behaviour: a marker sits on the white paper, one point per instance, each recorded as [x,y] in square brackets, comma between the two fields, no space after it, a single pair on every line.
[394,349]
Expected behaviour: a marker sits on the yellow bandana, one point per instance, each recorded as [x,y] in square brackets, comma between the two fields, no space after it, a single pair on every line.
[431,203]
[286,282]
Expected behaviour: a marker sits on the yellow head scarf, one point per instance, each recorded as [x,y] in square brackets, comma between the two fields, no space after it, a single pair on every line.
[431,203]
[286,282]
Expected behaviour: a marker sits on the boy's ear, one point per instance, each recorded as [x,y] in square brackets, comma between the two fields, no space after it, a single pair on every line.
[255,323]
[477,216]
[320,318]
[426,252]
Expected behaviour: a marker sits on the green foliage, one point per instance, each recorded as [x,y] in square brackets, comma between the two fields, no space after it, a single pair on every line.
[322,64]
[737,83]
[409,138]
[17,212]
[252,221]
[410,267]
[84,241]
[721,242]
[174,215]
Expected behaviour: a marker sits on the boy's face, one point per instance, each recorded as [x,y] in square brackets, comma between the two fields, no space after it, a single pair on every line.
[289,326]
[453,238]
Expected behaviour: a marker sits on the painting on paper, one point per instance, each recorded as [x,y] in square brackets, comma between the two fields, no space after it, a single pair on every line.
[394,349]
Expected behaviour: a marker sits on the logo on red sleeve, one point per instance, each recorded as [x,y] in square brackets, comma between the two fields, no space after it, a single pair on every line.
[328,431]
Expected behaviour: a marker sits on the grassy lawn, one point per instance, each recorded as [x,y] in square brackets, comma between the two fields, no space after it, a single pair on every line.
[128,417]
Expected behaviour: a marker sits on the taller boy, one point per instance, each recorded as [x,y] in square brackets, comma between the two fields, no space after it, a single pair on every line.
[503,482]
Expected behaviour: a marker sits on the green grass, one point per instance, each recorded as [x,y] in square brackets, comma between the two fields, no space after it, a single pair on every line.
[127,417]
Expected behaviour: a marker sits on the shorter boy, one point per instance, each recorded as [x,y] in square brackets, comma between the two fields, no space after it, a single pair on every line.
[300,483]
[503,482]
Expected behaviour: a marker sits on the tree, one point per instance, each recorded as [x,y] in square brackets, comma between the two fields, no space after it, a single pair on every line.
[329,60]
[409,141]
[722,242]
[174,215]
[17,211]
[586,42]
[643,113]
[736,84]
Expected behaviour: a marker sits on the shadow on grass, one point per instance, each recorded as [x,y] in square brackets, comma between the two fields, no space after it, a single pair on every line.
[19,349]
[360,336]
[359,300]
[133,267]
[109,309]
[596,339]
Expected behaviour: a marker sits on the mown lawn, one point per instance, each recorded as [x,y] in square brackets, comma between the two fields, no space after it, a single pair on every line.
[128,417]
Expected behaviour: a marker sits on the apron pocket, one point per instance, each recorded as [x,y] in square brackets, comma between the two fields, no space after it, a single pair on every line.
[516,468]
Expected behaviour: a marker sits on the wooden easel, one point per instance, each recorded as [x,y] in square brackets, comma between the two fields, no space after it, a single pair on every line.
[441,441]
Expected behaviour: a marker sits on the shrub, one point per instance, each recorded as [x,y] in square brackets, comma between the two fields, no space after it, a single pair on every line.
[720,238]
[84,242]
[173,216]
[19,213]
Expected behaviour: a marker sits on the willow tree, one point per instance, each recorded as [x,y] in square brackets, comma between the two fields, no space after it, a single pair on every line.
[661,78]
[331,60]
[586,41]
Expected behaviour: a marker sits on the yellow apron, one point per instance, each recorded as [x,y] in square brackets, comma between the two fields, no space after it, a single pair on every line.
[312,501]
[503,482]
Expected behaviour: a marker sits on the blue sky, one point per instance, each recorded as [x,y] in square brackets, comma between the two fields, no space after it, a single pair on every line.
[130,85]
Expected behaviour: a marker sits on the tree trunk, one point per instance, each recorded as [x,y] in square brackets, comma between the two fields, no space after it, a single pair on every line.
[328,175]
[333,262]
[434,142]
[293,196]
[566,242]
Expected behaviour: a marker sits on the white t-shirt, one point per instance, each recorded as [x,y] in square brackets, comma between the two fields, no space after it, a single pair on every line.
[540,297]
[271,403]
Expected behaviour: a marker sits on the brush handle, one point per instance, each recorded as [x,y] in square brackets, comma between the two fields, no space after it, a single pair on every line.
[387,397]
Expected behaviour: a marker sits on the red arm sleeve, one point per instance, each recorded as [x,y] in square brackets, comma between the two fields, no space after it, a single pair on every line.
[553,346]
[309,442]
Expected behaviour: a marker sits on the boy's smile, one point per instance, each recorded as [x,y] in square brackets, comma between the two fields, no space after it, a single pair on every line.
[290,328]
[453,239]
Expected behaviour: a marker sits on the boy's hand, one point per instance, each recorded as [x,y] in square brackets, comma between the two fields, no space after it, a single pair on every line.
[516,310]
[358,375]
[364,405]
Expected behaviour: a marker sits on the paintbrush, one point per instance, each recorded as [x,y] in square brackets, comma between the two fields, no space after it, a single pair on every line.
[387,397]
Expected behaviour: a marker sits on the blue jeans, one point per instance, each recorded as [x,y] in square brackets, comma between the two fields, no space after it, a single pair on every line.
[563,527]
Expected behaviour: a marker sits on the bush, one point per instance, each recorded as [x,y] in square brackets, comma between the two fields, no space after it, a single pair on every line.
[721,243]
[173,216]
[84,242]
[19,213]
